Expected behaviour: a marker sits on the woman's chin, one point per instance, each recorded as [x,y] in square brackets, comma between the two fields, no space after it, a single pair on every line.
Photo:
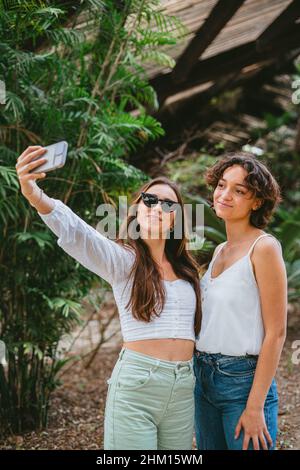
[151,233]
[222,214]
[158,234]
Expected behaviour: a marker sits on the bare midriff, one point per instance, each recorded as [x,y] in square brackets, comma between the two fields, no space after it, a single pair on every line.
[170,349]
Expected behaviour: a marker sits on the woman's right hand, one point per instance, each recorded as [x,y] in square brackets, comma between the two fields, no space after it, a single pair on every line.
[24,165]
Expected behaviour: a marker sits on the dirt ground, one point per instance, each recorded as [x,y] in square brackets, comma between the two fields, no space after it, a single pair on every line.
[77,407]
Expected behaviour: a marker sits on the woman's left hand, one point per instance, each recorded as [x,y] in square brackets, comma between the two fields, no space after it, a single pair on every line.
[254,426]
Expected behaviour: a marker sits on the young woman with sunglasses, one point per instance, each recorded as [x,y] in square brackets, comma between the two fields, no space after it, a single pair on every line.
[244,308]
[155,281]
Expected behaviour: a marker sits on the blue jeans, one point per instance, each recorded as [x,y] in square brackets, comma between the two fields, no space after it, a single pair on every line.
[223,385]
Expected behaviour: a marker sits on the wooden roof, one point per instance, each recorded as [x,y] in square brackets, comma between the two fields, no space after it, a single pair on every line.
[225,36]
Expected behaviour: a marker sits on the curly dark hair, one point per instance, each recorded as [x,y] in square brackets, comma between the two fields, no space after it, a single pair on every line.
[259,181]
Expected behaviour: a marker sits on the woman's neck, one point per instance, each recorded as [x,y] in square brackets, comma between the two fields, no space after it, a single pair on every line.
[157,249]
[240,231]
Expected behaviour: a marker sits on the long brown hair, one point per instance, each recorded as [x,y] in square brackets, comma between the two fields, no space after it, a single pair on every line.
[148,294]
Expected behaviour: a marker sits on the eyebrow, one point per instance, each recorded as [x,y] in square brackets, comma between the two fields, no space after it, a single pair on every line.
[237,184]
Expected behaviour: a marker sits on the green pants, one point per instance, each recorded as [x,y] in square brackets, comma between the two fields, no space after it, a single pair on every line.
[149,404]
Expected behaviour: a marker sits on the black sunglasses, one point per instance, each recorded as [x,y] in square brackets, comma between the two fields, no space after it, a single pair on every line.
[151,200]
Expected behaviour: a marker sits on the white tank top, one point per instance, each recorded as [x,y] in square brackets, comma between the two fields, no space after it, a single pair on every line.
[231,312]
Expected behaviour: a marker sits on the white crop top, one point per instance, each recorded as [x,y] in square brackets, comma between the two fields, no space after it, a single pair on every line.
[231,312]
[112,262]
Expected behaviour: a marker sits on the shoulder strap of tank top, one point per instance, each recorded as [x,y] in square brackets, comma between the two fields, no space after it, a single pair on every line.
[219,248]
[258,238]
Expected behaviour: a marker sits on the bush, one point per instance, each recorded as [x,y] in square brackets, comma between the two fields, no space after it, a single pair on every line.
[77,85]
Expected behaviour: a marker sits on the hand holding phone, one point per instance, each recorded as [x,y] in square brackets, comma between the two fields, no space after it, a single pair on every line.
[55,156]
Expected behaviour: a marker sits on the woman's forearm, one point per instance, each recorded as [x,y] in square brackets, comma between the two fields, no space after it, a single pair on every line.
[41,202]
[265,371]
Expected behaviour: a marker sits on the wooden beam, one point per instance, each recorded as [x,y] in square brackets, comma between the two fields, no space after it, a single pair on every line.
[289,15]
[174,115]
[225,63]
[221,13]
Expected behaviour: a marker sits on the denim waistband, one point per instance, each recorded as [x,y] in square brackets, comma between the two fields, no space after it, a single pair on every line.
[221,358]
[142,358]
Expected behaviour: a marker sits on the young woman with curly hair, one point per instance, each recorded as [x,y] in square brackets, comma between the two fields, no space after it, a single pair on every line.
[244,309]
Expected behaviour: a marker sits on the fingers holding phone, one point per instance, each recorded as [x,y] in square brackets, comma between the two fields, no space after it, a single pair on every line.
[25,164]
[55,157]
[36,161]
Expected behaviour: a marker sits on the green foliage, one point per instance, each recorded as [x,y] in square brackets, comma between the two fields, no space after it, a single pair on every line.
[77,85]
[286,227]
[189,172]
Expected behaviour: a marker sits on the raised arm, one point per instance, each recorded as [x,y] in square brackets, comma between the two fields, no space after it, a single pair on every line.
[94,251]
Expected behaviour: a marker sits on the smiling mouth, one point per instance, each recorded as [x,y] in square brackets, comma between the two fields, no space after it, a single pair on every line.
[224,205]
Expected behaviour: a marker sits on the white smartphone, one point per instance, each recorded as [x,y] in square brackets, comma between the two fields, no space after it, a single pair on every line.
[56,157]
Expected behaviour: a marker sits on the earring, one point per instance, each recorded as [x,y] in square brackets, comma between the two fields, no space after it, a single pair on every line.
[171,229]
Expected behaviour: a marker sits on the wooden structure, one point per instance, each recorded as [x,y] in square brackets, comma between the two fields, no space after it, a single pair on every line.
[227,40]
